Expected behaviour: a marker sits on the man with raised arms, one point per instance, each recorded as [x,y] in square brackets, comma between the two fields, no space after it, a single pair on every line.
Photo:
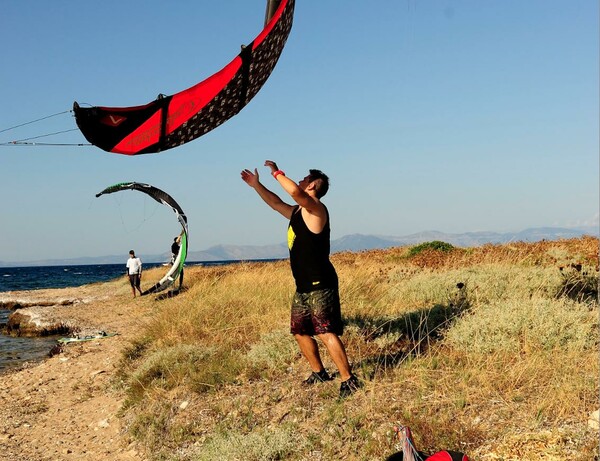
[316,304]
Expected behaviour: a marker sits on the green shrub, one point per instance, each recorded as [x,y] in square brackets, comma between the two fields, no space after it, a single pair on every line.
[275,351]
[519,325]
[199,368]
[262,445]
[435,245]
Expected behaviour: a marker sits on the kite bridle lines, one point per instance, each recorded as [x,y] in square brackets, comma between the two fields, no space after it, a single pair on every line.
[23,142]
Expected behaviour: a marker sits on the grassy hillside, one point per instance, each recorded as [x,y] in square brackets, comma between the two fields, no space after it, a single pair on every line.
[492,351]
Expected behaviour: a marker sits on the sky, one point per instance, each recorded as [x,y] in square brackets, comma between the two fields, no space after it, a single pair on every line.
[447,115]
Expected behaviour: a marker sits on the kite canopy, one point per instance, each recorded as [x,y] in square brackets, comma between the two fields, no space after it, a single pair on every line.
[164,198]
[171,121]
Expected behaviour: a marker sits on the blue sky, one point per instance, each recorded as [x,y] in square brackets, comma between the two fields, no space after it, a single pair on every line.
[443,115]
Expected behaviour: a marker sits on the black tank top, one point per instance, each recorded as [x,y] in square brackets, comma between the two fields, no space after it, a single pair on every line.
[309,255]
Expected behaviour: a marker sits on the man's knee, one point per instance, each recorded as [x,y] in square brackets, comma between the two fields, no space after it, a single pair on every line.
[329,338]
[300,337]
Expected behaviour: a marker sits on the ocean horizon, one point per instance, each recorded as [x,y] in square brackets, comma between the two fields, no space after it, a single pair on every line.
[25,278]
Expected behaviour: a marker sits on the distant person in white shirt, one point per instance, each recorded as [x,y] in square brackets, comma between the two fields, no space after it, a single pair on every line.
[134,271]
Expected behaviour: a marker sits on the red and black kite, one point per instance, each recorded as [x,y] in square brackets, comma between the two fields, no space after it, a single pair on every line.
[171,121]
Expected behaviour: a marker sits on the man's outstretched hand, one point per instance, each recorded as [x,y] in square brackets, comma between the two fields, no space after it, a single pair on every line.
[250,178]
[271,164]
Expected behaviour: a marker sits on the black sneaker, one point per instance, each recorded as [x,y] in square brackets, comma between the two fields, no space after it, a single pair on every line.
[349,386]
[317,377]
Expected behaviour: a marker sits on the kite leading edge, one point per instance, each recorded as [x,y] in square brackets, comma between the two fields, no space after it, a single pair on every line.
[170,121]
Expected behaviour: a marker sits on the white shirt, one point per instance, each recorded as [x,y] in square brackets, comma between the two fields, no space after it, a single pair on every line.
[134,265]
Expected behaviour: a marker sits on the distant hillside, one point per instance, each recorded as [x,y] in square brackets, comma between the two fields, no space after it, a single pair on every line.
[468,239]
[354,242]
[235,252]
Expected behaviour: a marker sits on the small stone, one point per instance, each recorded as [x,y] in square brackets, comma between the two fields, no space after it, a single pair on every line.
[184,405]
[594,420]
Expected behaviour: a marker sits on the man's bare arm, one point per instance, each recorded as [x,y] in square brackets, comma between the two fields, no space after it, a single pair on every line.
[314,212]
[295,191]
[270,198]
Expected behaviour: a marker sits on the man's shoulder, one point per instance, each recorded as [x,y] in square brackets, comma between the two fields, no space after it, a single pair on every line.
[318,209]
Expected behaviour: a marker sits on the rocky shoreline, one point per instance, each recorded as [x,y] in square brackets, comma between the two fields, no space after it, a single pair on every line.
[42,312]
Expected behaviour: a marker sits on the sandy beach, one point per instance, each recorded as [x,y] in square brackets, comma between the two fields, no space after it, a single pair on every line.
[65,408]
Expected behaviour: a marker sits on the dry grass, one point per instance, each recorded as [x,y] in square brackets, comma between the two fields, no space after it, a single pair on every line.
[492,351]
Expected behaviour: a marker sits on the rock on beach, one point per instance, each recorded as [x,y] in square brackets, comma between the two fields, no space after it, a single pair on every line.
[40,312]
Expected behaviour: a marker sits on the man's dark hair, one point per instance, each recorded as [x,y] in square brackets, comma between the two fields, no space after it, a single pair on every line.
[321,181]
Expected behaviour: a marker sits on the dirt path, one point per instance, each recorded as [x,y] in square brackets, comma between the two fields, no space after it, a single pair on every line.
[65,408]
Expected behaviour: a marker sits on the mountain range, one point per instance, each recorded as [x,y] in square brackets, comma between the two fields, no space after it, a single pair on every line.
[353,242]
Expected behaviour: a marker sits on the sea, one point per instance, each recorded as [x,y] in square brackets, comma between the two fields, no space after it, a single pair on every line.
[15,351]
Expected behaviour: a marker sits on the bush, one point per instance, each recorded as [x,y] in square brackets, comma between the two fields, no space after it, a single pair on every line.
[261,445]
[275,351]
[521,325]
[199,368]
[436,245]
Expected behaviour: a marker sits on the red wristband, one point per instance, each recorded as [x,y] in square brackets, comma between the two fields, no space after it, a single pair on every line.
[277,173]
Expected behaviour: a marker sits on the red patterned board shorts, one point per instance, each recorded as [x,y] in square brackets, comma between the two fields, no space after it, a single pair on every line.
[316,312]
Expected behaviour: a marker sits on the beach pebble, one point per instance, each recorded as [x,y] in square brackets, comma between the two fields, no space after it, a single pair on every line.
[594,420]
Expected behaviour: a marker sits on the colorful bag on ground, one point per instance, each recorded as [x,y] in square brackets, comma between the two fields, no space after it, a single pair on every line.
[410,453]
